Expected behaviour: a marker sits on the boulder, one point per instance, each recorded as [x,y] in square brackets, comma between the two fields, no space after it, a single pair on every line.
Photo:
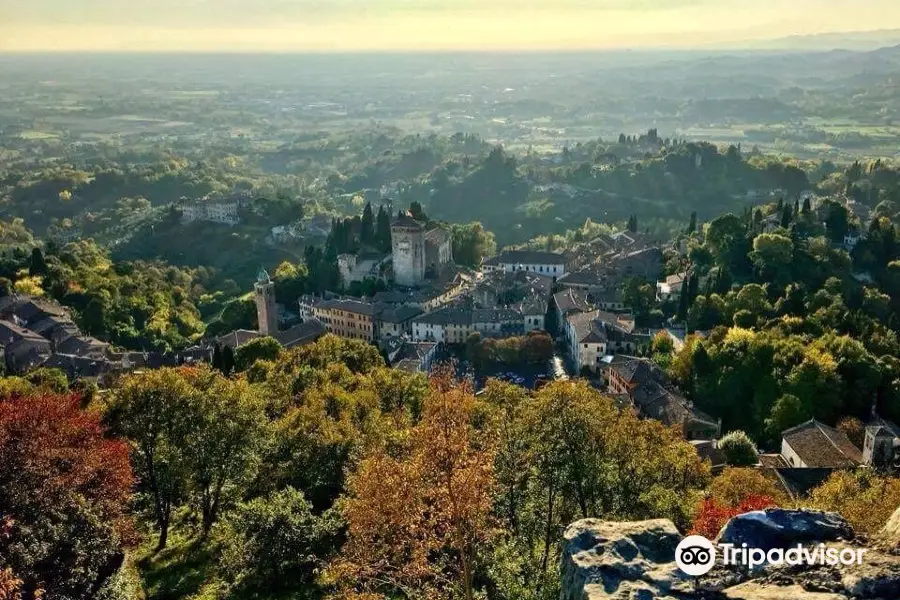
[605,559]
[783,528]
[891,532]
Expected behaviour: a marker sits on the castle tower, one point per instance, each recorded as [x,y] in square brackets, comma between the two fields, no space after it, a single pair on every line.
[266,311]
[408,250]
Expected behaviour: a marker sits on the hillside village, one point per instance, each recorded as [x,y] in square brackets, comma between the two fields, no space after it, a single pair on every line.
[432,309]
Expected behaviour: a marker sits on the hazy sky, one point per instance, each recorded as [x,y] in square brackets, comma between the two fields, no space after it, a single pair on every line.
[323,25]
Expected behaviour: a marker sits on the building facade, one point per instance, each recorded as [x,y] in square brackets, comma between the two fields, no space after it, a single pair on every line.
[351,319]
[542,263]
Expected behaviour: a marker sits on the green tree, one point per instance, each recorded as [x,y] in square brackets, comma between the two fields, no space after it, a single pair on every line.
[471,244]
[264,348]
[787,412]
[229,434]
[383,229]
[228,360]
[367,226]
[772,256]
[276,542]
[38,264]
[726,239]
[151,409]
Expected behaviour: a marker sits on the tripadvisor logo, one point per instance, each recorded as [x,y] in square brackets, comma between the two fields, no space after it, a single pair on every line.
[696,555]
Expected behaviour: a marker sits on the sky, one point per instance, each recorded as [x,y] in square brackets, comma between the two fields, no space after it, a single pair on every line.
[401,25]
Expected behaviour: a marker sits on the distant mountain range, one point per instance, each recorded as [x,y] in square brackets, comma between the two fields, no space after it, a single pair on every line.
[838,40]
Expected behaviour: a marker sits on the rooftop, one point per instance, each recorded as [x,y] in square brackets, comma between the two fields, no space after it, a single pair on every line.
[353,306]
[404,219]
[527,257]
[304,333]
[819,445]
[571,300]
[495,315]
[447,316]
[438,235]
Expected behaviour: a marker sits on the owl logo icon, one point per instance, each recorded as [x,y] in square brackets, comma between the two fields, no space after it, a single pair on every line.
[695,555]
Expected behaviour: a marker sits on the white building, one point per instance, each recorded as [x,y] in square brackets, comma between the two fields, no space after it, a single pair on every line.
[670,288]
[542,263]
[592,335]
[225,213]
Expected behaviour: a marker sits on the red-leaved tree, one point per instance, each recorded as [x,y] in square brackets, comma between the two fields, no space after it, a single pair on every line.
[64,489]
[713,515]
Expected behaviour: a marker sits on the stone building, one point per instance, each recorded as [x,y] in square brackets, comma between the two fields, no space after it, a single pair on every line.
[266,311]
[438,249]
[416,250]
[408,250]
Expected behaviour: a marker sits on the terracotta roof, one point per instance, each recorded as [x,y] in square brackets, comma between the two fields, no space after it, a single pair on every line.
[819,445]
[677,279]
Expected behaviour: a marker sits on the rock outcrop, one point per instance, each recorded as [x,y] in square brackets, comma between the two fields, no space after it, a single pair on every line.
[605,560]
[891,532]
[781,528]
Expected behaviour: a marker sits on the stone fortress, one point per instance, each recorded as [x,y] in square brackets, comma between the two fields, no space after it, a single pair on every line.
[418,251]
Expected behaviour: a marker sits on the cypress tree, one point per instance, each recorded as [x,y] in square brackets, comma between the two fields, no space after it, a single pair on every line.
[217,357]
[227,360]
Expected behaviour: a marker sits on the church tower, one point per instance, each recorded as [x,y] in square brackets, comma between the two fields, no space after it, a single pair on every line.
[266,311]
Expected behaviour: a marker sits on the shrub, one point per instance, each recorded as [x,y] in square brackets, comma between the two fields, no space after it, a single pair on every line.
[275,541]
[739,449]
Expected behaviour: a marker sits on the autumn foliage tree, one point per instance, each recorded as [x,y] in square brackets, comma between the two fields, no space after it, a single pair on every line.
[867,500]
[713,515]
[64,487]
[419,518]
[734,492]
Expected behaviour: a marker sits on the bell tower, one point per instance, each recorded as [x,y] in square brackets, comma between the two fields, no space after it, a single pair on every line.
[266,311]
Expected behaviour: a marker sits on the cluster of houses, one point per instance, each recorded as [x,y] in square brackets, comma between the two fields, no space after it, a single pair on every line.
[36,333]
